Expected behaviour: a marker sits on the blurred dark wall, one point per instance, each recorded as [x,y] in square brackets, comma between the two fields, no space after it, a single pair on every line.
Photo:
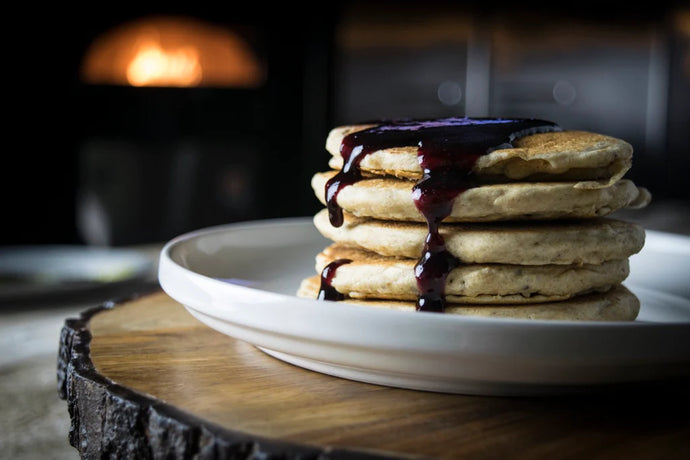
[147,164]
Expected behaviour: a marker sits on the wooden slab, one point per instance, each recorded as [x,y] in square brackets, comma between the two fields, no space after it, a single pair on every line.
[145,379]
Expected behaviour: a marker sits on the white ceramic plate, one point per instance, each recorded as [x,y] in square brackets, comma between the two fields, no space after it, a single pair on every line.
[240,279]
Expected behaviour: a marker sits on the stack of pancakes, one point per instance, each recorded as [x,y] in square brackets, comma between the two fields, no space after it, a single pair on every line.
[532,235]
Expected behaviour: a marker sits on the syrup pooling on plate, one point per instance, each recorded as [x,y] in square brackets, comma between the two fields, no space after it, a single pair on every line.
[447,150]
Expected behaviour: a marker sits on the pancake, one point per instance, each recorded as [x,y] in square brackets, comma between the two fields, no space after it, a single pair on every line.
[370,275]
[391,199]
[617,304]
[596,160]
[590,241]
[520,203]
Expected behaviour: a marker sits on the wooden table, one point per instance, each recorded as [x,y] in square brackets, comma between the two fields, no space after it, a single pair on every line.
[144,379]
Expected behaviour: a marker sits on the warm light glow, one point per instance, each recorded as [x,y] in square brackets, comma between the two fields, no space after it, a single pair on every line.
[172,51]
[154,66]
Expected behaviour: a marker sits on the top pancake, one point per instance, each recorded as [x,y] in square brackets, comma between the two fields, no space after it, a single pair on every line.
[593,160]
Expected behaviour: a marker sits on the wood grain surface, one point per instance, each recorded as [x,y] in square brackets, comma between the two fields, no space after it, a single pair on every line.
[148,354]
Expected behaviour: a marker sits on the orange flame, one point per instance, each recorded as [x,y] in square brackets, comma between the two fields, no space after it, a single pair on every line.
[172,51]
[155,66]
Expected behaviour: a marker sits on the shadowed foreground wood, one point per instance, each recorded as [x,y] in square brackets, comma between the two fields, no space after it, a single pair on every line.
[145,379]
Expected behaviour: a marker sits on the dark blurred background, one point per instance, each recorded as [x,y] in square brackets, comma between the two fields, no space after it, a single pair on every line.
[131,125]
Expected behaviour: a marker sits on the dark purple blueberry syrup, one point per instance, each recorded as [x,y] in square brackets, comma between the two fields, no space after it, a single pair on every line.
[447,150]
[327,291]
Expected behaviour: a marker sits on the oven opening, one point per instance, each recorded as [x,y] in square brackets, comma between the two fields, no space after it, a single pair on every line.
[169,51]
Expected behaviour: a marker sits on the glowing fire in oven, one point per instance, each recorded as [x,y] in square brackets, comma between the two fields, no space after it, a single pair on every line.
[172,51]
[155,66]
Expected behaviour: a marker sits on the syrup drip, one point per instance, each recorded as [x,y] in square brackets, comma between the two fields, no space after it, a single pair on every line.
[447,152]
[326,290]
